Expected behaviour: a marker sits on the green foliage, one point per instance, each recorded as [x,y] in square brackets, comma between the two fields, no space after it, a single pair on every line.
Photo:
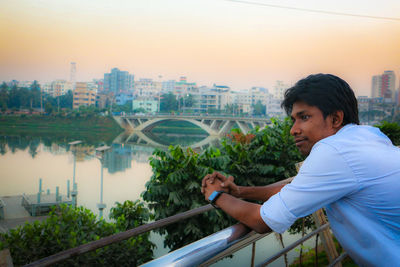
[134,212]
[168,103]
[259,158]
[259,108]
[262,157]
[175,188]
[392,130]
[70,227]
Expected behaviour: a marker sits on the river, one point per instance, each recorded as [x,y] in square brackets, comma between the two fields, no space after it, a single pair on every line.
[24,160]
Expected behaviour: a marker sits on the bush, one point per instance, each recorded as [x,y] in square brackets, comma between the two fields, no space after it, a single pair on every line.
[258,158]
[70,227]
[392,130]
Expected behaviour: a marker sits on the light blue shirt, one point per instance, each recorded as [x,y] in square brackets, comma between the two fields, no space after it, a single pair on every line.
[355,175]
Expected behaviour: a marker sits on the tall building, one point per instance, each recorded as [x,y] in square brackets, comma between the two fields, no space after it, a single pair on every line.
[72,75]
[84,95]
[279,89]
[376,86]
[384,85]
[118,81]
[388,84]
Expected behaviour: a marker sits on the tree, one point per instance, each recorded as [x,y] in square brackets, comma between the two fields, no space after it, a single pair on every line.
[4,98]
[14,100]
[259,158]
[168,103]
[392,130]
[35,95]
[70,227]
[259,108]
[232,108]
[48,108]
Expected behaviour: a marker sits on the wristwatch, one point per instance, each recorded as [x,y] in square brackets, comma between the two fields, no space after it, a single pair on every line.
[213,197]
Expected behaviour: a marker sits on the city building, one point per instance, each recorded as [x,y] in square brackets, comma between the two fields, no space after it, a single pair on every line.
[84,94]
[279,89]
[388,84]
[118,81]
[168,86]
[72,75]
[384,86]
[376,86]
[26,84]
[209,99]
[61,87]
[183,88]
[123,98]
[148,105]
[147,89]
[56,88]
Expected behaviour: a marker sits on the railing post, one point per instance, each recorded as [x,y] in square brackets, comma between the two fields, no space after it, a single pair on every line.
[5,258]
[253,253]
[326,237]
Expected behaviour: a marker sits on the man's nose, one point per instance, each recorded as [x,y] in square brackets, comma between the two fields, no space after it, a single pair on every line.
[295,130]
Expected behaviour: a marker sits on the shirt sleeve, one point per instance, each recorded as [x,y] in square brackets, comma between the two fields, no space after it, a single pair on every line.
[323,178]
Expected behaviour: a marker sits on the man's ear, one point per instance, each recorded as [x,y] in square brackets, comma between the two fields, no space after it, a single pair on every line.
[337,119]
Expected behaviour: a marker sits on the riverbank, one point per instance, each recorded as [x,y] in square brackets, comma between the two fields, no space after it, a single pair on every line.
[89,128]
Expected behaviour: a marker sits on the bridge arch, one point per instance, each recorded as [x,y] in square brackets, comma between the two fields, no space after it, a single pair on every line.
[215,125]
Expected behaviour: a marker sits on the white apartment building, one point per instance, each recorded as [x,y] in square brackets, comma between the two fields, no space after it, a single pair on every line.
[243,101]
[57,87]
[183,88]
[279,89]
[376,86]
[274,108]
[147,104]
[147,89]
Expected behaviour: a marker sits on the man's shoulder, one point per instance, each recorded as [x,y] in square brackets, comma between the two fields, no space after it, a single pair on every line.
[356,135]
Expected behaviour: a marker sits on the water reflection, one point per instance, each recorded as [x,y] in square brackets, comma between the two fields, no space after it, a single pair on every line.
[163,140]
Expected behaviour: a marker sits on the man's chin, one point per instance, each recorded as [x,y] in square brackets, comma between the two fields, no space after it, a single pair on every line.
[304,151]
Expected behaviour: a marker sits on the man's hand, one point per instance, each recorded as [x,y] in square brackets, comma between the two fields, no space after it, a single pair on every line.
[226,184]
[211,187]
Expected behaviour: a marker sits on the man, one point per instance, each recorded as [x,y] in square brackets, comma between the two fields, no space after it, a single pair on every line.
[351,170]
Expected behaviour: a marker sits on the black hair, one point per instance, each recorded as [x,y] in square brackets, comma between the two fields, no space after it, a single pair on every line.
[327,92]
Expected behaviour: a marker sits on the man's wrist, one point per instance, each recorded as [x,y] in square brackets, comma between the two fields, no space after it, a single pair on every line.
[214,196]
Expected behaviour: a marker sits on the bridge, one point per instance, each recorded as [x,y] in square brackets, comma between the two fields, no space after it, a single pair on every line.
[214,125]
[148,140]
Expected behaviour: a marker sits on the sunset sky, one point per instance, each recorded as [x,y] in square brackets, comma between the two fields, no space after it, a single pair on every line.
[210,41]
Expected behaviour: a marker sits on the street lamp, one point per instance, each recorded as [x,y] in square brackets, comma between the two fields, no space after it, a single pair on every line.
[74,192]
[101,206]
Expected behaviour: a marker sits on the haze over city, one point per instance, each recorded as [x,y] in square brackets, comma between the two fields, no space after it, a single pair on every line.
[235,43]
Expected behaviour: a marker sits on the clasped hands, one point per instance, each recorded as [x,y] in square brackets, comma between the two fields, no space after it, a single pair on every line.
[218,182]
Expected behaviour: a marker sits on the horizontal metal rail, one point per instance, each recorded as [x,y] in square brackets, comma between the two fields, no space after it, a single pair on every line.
[250,238]
[198,252]
[293,245]
[66,254]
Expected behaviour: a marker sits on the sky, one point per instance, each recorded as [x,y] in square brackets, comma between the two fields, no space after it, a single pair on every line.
[234,43]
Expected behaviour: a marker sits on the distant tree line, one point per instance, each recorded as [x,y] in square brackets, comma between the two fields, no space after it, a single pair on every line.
[17,98]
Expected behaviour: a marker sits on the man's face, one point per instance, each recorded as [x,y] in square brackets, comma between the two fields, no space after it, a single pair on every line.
[309,126]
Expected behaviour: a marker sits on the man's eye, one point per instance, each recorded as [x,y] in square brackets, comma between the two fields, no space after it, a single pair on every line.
[305,117]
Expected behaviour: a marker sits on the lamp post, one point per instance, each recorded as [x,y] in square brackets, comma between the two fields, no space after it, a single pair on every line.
[101,206]
[74,192]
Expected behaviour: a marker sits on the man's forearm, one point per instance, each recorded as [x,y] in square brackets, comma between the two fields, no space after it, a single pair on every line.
[262,193]
[245,212]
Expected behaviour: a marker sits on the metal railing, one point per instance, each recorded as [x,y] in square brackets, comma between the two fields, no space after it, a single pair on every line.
[203,252]
[69,253]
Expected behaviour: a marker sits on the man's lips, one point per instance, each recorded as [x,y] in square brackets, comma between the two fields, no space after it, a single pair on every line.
[299,141]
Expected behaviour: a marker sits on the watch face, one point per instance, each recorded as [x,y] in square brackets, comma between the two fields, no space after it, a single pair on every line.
[213,197]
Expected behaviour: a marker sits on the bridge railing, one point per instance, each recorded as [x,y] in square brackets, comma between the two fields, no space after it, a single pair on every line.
[203,252]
